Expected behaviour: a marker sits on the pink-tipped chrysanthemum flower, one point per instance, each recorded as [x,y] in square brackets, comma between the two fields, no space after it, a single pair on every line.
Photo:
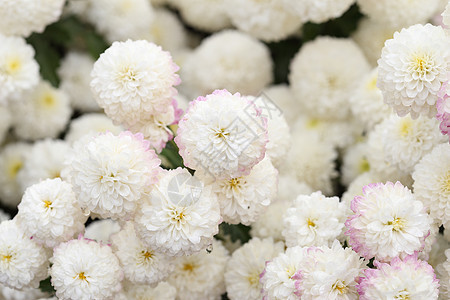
[443,109]
[387,222]
[408,278]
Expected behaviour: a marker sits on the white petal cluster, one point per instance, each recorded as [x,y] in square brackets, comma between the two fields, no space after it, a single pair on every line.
[201,275]
[90,124]
[19,69]
[102,230]
[446,16]
[23,263]
[268,20]
[242,199]
[354,162]
[318,11]
[24,294]
[180,217]
[323,76]
[443,271]
[140,264]
[50,213]
[222,136]
[284,99]
[83,269]
[74,73]
[387,222]
[23,17]
[313,220]
[412,68]
[42,112]
[400,13]
[163,291]
[111,174]
[245,266]
[432,182]
[229,59]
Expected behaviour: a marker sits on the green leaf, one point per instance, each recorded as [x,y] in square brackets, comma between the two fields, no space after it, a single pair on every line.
[46,286]
[236,232]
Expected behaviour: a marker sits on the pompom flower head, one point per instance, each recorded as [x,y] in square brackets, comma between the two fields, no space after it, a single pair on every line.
[387,222]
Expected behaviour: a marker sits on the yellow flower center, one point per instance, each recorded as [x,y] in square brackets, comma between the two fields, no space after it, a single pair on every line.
[234,183]
[147,255]
[253,279]
[221,133]
[405,127]
[291,271]
[398,224]
[14,168]
[403,295]
[47,204]
[188,267]
[446,183]
[82,277]
[48,100]
[340,287]
[13,65]
[372,84]
[6,258]
[313,123]
[364,165]
[311,223]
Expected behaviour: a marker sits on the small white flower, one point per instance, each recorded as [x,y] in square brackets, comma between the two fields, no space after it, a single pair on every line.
[354,162]
[163,291]
[283,97]
[90,124]
[318,11]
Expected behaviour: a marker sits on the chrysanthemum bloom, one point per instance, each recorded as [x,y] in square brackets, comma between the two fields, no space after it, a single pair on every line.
[205,15]
[242,199]
[24,294]
[443,271]
[201,275]
[23,17]
[408,278]
[180,217]
[405,140]
[283,98]
[19,69]
[41,112]
[323,75]
[163,291]
[110,174]
[102,230]
[120,19]
[90,124]
[313,220]
[23,263]
[84,269]
[267,20]
[241,64]
[12,159]
[354,162]
[280,276]
[367,103]
[317,11]
[387,222]
[443,109]
[44,160]
[432,183]
[245,266]
[412,68]
[400,13]
[50,213]
[330,273]
[74,72]
[140,264]
[133,79]
[222,136]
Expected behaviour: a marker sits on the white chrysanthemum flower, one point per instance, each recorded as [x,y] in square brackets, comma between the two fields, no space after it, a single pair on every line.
[23,263]
[446,15]
[323,75]
[405,141]
[330,273]
[268,20]
[387,222]
[50,213]
[181,216]
[74,71]
[119,20]
[163,291]
[311,160]
[90,124]
[22,17]
[283,97]
[201,275]
[408,278]
[313,220]
[318,11]
[354,162]
[205,15]
[166,31]
[102,230]
[412,68]
[245,266]
[443,271]
[44,160]
[280,275]
[370,35]
[7,293]
[84,269]
[12,159]
[20,71]
[5,121]
[222,136]
[242,199]
[241,64]
[134,78]
[140,264]
[111,174]
[42,112]
[367,104]
[432,182]
[400,13]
